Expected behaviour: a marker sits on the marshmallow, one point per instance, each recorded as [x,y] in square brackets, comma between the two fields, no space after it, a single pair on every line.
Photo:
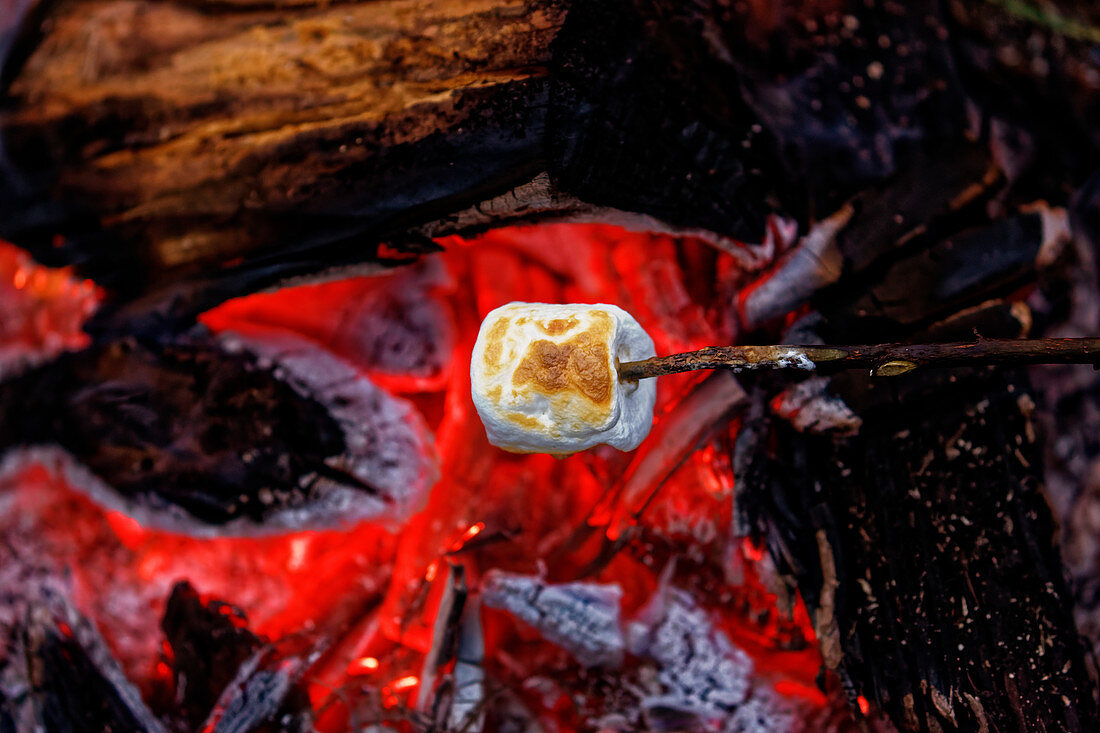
[544,378]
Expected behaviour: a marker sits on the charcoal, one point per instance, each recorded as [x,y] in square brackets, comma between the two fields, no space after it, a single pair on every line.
[876,228]
[997,319]
[921,544]
[582,618]
[399,329]
[388,451]
[194,438]
[959,272]
[209,642]
[444,635]
[263,698]
[705,681]
[810,407]
[698,667]
[60,676]
[467,709]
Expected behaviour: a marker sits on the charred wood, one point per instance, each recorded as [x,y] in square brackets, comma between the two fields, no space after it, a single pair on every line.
[925,550]
[202,437]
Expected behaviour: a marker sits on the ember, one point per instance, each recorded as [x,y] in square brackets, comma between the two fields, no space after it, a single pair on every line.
[371,599]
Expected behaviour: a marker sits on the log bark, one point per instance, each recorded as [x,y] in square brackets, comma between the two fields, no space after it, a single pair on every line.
[181,154]
[883,360]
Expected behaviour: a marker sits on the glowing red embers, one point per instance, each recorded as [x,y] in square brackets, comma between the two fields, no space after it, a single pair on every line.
[411,330]
[362,666]
[43,309]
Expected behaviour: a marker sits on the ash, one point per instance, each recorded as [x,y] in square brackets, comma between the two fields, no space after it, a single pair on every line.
[582,618]
[810,408]
[388,448]
[701,675]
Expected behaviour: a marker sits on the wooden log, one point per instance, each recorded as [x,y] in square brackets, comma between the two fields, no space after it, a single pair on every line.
[186,153]
[925,551]
[168,141]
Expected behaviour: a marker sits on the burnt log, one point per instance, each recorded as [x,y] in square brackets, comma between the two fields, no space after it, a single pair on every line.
[221,436]
[183,154]
[925,550]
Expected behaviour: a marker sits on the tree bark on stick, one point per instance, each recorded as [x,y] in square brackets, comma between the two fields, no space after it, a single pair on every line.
[883,360]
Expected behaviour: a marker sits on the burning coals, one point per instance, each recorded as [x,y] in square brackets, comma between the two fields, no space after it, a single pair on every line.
[325,538]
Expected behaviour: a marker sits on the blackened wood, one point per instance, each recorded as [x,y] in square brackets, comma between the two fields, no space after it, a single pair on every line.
[208,642]
[184,154]
[187,426]
[926,553]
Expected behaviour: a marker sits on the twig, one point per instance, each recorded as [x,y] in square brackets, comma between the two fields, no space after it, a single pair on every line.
[883,360]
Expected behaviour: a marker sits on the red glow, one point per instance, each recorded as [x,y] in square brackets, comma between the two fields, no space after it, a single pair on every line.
[363,665]
[43,308]
[468,535]
[791,688]
[752,552]
[864,706]
[405,683]
[376,590]
[128,530]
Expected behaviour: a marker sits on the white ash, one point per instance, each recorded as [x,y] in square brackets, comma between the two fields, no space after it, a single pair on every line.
[387,444]
[811,409]
[698,666]
[700,673]
[467,711]
[788,358]
[260,689]
[814,263]
[1056,232]
[398,327]
[582,618]
[795,359]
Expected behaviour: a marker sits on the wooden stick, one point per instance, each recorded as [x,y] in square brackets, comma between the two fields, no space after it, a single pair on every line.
[884,360]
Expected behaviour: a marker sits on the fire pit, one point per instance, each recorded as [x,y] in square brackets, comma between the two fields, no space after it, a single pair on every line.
[243,485]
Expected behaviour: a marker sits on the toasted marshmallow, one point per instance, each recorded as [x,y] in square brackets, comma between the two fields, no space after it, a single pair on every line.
[544,378]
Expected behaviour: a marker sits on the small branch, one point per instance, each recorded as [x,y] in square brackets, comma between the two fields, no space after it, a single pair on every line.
[883,360]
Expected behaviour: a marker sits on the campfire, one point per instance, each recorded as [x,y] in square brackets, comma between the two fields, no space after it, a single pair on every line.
[243,483]
[605,586]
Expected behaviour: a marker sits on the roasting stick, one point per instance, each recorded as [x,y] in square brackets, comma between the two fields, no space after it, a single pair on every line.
[883,360]
[560,378]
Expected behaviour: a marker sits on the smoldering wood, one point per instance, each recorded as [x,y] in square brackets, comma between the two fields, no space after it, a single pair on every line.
[201,438]
[59,674]
[209,642]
